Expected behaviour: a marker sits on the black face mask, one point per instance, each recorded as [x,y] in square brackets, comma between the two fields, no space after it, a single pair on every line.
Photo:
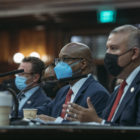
[111,63]
[50,88]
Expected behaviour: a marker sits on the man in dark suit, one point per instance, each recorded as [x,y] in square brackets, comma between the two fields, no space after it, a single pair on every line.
[75,59]
[31,94]
[122,60]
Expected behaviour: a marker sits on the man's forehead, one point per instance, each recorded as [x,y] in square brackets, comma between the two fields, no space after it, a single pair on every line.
[26,66]
[116,38]
[67,53]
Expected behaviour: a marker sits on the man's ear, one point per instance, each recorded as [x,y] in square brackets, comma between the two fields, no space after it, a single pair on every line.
[83,64]
[136,53]
[36,77]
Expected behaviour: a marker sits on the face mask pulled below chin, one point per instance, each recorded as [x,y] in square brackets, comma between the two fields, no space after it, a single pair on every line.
[20,82]
[111,64]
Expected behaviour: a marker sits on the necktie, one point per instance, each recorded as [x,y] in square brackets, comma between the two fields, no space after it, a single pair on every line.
[119,95]
[68,97]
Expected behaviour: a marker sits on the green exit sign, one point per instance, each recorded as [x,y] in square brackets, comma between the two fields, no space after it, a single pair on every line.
[106,16]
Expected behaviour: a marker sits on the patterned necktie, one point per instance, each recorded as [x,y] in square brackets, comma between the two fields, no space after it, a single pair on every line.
[119,95]
[68,97]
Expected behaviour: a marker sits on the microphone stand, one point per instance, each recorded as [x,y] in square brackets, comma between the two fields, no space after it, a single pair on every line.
[11,91]
[15,101]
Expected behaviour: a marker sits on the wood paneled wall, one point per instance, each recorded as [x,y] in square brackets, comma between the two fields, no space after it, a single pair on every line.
[44,41]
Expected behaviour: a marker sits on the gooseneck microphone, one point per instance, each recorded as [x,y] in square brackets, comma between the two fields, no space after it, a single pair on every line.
[68,79]
[11,72]
[75,77]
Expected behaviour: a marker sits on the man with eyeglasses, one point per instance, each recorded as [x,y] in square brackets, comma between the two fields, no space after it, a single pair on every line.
[31,94]
[75,59]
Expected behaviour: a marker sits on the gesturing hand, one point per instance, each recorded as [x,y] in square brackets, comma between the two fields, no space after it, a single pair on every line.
[78,113]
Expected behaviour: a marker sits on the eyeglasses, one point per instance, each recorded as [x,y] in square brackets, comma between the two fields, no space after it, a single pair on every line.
[57,60]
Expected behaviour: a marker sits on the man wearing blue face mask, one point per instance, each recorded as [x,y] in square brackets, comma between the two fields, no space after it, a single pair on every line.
[75,59]
[31,94]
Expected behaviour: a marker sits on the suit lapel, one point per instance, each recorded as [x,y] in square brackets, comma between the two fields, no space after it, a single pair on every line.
[30,101]
[129,94]
[83,88]
[110,104]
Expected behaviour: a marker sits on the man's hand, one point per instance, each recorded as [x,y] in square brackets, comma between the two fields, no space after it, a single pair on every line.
[46,118]
[79,113]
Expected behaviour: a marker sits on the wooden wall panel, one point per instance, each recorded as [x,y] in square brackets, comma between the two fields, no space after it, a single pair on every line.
[55,40]
[4,46]
[45,42]
[32,41]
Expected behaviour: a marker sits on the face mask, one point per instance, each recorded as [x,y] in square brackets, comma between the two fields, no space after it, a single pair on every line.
[20,82]
[63,70]
[50,88]
[111,63]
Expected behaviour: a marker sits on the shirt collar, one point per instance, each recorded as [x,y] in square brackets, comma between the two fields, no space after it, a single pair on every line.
[76,87]
[132,75]
[31,91]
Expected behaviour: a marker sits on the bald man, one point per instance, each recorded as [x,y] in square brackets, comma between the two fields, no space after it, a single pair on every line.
[75,59]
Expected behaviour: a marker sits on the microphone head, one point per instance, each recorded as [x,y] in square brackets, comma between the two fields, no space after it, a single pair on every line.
[11,72]
[19,71]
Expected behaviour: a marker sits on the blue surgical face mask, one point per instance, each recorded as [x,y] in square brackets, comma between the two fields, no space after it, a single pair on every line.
[20,82]
[63,70]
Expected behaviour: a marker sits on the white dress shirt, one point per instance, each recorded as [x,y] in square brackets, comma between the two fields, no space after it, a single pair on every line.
[75,88]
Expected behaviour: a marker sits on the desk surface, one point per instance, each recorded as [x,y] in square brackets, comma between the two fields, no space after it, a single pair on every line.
[70,130]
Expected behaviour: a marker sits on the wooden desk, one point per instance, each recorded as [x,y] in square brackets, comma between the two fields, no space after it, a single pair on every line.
[70,131]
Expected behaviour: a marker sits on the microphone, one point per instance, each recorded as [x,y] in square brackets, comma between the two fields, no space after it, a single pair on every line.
[72,78]
[64,79]
[11,72]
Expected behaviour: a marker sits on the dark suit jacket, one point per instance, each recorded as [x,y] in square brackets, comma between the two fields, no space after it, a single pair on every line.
[91,88]
[37,99]
[129,110]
